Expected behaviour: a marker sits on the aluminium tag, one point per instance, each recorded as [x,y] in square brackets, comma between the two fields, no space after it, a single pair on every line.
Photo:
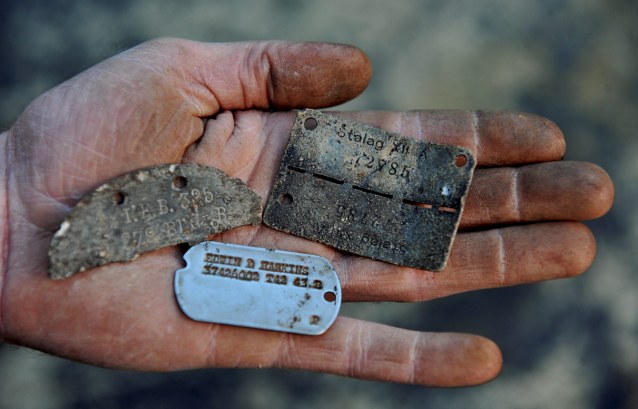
[370,192]
[149,209]
[258,288]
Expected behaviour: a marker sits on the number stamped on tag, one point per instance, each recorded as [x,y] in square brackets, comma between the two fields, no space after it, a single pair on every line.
[370,192]
[258,288]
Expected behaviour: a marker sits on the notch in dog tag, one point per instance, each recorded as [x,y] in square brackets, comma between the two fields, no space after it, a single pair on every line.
[370,192]
[149,209]
[258,288]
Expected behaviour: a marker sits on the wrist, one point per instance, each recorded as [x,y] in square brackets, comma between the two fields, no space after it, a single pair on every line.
[4,222]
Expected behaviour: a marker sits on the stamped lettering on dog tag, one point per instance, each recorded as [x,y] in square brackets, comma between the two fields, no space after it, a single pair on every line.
[149,209]
[258,288]
[370,192]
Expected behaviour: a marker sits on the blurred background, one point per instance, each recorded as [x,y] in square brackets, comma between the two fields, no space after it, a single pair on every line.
[566,344]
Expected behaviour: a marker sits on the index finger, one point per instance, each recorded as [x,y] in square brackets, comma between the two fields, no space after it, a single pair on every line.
[496,138]
[253,142]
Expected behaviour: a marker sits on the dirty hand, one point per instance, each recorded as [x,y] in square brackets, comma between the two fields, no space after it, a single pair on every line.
[223,105]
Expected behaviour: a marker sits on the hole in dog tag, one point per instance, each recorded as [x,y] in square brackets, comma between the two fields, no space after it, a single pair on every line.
[258,288]
[370,192]
[149,209]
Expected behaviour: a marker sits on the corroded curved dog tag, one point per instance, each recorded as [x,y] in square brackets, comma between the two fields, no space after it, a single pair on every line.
[150,209]
[370,192]
[258,288]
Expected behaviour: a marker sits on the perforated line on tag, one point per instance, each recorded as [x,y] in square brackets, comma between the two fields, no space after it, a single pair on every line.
[460,159]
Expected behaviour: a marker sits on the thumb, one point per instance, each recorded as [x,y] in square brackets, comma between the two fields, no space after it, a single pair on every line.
[267,75]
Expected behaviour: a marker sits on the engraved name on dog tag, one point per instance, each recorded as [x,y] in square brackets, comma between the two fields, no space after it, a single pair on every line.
[370,192]
[149,209]
[258,288]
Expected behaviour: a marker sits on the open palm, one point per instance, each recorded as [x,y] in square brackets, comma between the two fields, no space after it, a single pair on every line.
[172,101]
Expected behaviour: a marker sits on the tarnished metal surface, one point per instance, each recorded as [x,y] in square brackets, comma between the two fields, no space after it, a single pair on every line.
[149,209]
[258,288]
[370,192]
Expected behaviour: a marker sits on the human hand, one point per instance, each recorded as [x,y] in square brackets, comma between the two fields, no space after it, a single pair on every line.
[171,101]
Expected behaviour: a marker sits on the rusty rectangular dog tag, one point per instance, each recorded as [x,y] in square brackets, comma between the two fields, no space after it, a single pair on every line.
[370,192]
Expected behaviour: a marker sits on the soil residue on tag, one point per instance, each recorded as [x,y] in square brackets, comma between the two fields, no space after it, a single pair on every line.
[149,209]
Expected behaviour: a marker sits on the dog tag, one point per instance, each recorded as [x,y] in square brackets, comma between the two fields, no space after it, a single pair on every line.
[258,288]
[370,192]
[149,209]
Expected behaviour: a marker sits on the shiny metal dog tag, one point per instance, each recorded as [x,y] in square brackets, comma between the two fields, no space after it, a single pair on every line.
[370,192]
[149,209]
[258,288]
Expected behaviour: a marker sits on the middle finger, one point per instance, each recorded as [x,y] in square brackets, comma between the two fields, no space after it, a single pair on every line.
[544,191]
